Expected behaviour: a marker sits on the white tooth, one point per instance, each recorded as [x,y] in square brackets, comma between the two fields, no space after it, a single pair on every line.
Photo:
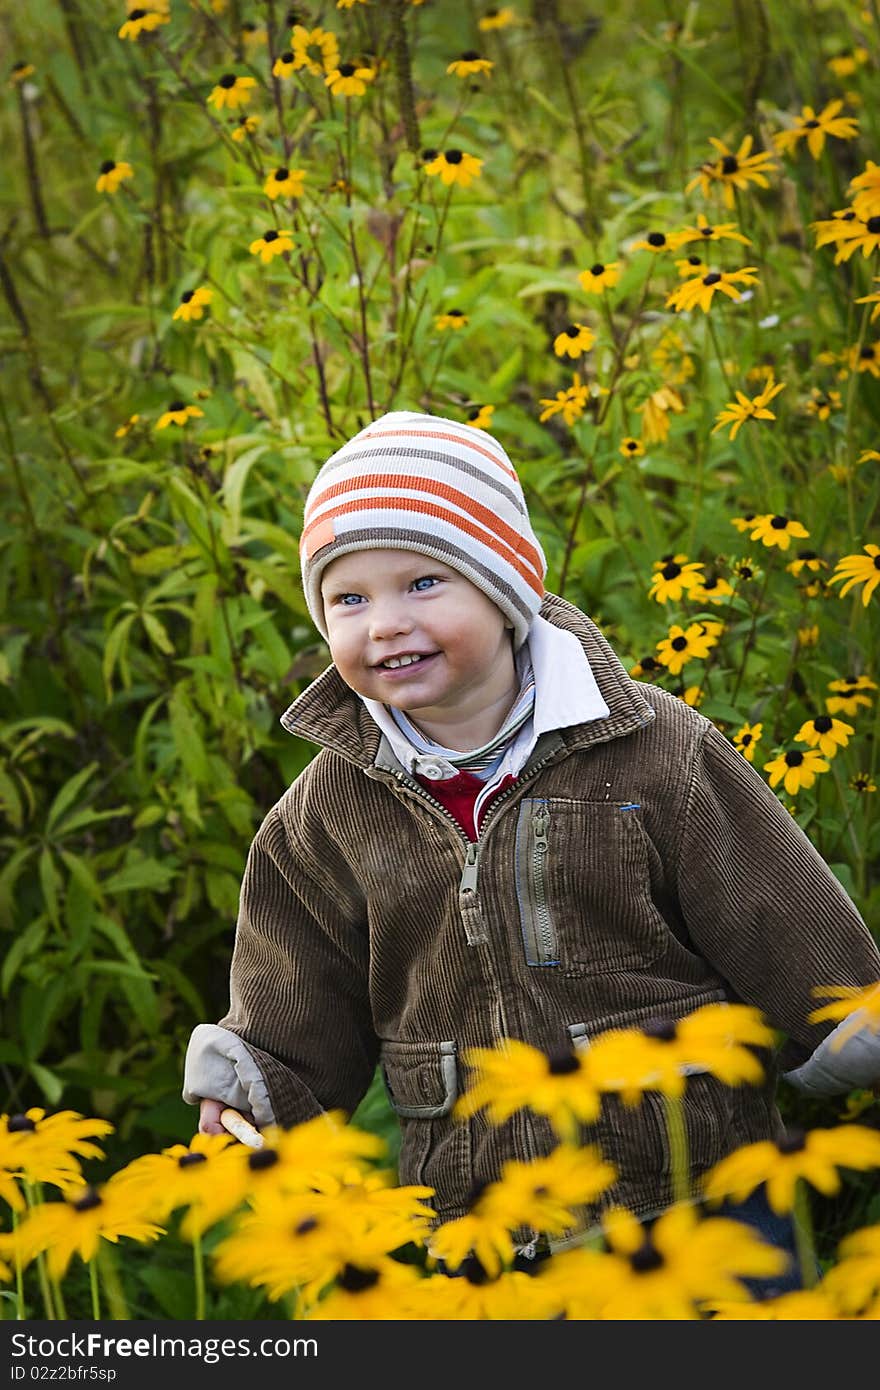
[396,661]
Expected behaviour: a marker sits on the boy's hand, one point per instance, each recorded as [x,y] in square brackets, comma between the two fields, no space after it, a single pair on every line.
[209,1117]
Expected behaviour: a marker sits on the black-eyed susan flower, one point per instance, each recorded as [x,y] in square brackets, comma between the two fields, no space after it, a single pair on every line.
[654,241]
[732,170]
[127,426]
[646,666]
[349,80]
[20,72]
[193,304]
[743,523]
[853,234]
[655,412]
[713,588]
[689,266]
[180,1175]
[141,22]
[735,413]
[872,299]
[475,1296]
[745,570]
[862,782]
[315,49]
[859,569]
[574,340]
[860,1004]
[631,448]
[814,1158]
[481,417]
[570,403]
[747,739]
[825,733]
[383,1289]
[843,65]
[822,403]
[77,1226]
[801,1305]
[470,63]
[232,91]
[600,276]
[47,1148]
[178,413]
[543,1192]
[450,318]
[675,576]
[868,454]
[708,231]
[285,183]
[777,530]
[808,636]
[514,1076]
[455,166]
[795,769]
[853,1282]
[865,357]
[111,175]
[699,292]
[692,695]
[850,695]
[285,64]
[682,645]
[815,128]
[253,35]
[864,191]
[271,244]
[245,126]
[497,19]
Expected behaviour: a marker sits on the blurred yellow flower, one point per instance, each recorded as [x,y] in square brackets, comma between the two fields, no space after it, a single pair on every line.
[747,739]
[859,569]
[795,769]
[316,49]
[285,183]
[193,304]
[270,244]
[141,21]
[570,403]
[349,80]
[813,1158]
[599,277]
[735,413]
[232,91]
[732,170]
[455,166]
[685,644]
[814,129]
[451,318]
[111,174]
[574,340]
[470,63]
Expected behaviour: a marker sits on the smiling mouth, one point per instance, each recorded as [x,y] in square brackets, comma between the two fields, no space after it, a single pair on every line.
[405,662]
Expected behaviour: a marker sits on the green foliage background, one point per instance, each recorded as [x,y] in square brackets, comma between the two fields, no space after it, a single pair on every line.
[153,626]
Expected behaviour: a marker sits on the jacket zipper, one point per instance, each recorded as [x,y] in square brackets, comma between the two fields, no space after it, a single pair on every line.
[547,944]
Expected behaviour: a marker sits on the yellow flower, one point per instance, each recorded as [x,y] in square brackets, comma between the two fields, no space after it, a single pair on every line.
[859,569]
[451,318]
[825,733]
[684,645]
[845,64]
[574,340]
[232,91]
[814,129]
[776,530]
[180,1176]
[654,241]
[747,739]
[571,403]
[455,166]
[732,170]
[178,413]
[705,231]
[692,695]
[688,266]
[804,1305]
[285,64]
[655,412]
[382,1289]
[270,244]
[646,666]
[20,72]
[348,4]
[674,576]
[141,21]
[858,1003]
[631,448]
[45,1148]
[699,292]
[862,782]
[349,80]
[875,312]
[813,1158]
[514,1076]
[111,175]
[851,695]
[671,358]
[252,36]
[865,191]
[867,357]
[795,769]
[245,126]
[712,589]
[808,636]
[481,417]
[192,304]
[316,49]
[821,403]
[124,429]
[285,183]
[735,413]
[497,19]
[599,277]
[469,63]
[77,1227]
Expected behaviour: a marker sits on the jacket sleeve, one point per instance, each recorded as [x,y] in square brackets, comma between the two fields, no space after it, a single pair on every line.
[761,904]
[299,1000]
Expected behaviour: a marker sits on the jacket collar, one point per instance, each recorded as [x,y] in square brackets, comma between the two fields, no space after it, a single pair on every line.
[330,714]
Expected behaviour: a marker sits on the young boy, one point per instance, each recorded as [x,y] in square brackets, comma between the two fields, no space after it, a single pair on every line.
[503,835]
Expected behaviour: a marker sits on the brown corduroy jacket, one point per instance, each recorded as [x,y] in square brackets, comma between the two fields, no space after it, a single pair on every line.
[637,869]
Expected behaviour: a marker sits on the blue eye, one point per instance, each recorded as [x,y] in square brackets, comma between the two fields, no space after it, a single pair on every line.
[344,599]
[424,579]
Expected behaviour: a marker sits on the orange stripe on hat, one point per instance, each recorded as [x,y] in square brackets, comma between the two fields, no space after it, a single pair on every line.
[450,438]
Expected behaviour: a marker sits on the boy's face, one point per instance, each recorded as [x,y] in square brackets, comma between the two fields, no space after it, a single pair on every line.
[381,604]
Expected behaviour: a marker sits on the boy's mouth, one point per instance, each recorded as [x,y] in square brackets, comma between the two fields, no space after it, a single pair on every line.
[405,661]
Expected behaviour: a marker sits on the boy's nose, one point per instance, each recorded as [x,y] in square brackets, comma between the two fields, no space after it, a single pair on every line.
[388,620]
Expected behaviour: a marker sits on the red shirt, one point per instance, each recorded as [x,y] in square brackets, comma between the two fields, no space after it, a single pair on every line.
[459,794]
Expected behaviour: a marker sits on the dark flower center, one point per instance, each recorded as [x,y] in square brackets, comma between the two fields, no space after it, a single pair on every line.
[473,1271]
[190,1160]
[263,1158]
[706,231]
[453,156]
[455,313]
[745,571]
[656,239]
[646,1259]
[428,155]
[868,350]
[712,278]
[288,57]
[671,571]
[661,1028]
[177,405]
[746,740]
[280,175]
[808,555]
[108,165]
[679,644]
[695,260]
[779,523]
[469,57]
[597,269]
[572,331]
[228,80]
[20,1124]
[794,759]
[873,225]
[877,562]
[186,296]
[88,1201]
[649,663]
[632,445]
[355,1280]
[561,1061]
[306,1227]
[822,723]
[729,164]
[270,236]
[811,125]
[346,69]
[795,1141]
[136,14]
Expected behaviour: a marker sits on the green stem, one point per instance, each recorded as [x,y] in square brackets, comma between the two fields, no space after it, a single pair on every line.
[199,1275]
[94,1287]
[679,1158]
[803,1235]
[112,1283]
[19,1273]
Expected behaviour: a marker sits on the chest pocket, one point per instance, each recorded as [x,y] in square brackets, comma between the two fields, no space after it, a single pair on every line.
[583,886]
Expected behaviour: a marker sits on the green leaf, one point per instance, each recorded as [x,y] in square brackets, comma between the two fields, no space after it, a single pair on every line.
[51,1085]
[233,487]
[68,794]
[142,873]
[27,944]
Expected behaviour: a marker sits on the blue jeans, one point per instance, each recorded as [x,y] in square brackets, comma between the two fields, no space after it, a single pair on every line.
[756,1212]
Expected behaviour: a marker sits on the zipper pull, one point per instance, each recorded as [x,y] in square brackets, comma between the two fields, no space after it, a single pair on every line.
[540,821]
[468,898]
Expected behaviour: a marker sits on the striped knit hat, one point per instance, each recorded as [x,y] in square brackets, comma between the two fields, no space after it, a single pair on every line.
[419,482]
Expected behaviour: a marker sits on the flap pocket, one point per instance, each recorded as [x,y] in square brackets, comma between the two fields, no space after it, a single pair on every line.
[420,1078]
